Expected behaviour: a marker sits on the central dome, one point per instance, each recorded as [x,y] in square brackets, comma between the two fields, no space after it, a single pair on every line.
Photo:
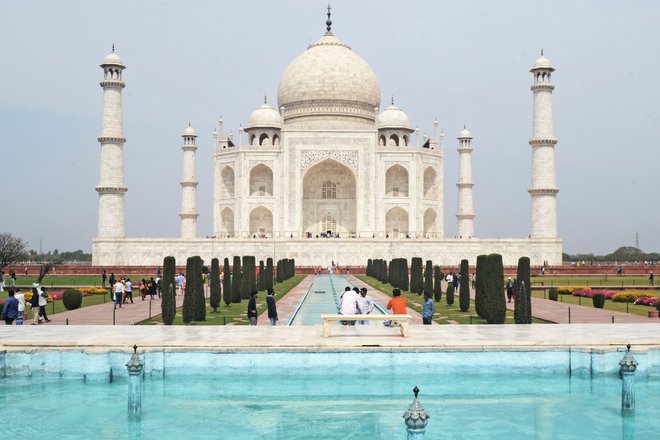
[329,79]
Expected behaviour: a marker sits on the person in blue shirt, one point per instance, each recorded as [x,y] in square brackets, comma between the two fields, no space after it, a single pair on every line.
[10,309]
[428,310]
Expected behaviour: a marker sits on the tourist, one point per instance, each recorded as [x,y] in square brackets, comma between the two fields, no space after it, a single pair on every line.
[455,280]
[152,288]
[179,282]
[104,277]
[449,278]
[21,306]
[365,305]
[119,292]
[112,280]
[34,305]
[159,286]
[650,278]
[129,291]
[12,274]
[252,308]
[397,305]
[509,289]
[43,302]
[272,308]
[10,309]
[348,304]
[26,271]
[143,288]
[2,280]
[428,310]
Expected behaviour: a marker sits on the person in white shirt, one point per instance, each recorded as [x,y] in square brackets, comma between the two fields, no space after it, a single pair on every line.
[21,306]
[365,304]
[348,305]
[119,293]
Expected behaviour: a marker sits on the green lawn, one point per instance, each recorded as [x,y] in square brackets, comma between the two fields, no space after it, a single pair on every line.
[57,306]
[444,314]
[609,304]
[54,281]
[235,313]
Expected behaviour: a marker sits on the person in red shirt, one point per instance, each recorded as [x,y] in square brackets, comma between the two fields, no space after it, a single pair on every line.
[397,305]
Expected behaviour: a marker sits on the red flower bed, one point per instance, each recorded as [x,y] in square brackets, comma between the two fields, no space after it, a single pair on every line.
[651,301]
[608,294]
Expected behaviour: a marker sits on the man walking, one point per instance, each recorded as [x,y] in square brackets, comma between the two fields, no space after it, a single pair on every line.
[119,291]
[43,302]
[272,309]
[428,309]
[34,305]
[10,309]
[21,306]
[129,291]
[252,308]
[104,277]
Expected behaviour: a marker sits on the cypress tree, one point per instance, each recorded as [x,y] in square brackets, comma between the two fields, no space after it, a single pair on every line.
[385,271]
[168,303]
[249,277]
[496,301]
[278,271]
[428,277]
[450,294]
[464,289]
[416,278]
[226,283]
[479,289]
[200,298]
[189,293]
[523,306]
[236,280]
[437,284]
[262,276]
[215,285]
[405,284]
[269,273]
[369,263]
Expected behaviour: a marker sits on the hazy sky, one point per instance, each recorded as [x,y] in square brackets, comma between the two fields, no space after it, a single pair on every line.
[462,62]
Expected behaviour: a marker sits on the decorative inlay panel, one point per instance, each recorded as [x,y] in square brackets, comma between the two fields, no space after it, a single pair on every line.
[348,158]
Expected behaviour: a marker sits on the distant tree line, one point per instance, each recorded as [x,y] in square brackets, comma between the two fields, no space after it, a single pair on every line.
[623,254]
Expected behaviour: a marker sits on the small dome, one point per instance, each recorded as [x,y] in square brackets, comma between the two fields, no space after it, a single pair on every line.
[265,116]
[465,134]
[392,117]
[189,131]
[112,59]
[542,63]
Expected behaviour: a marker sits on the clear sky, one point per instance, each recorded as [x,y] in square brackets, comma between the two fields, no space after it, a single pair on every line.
[463,62]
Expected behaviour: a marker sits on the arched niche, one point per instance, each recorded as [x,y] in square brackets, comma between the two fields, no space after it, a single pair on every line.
[430,228]
[396,222]
[227,223]
[261,222]
[261,181]
[396,181]
[430,183]
[227,182]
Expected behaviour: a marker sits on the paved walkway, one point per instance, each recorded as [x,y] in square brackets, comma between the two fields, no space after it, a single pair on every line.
[101,314]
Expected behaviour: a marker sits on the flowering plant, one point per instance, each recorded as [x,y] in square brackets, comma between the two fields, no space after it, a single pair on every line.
[608,294]
[630,296]
[648,301]
[568,290]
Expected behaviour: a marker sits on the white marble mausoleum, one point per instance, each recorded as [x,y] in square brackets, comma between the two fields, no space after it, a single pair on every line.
[328,174]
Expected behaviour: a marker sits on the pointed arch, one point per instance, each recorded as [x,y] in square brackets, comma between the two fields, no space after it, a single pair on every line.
[261,181]
[396,222]
[264,139]
[393,141]
[261,222]
[396,181]
[227,182]
[430,228]
[430,183]
[227,223]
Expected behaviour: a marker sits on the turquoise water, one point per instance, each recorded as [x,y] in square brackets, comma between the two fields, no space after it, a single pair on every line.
[346,406]
[323,297]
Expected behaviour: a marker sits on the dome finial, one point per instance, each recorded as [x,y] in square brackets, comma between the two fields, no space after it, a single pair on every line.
[113,47]
[328,22]
[265,99]
[464,126]
[392,101]
[541,51]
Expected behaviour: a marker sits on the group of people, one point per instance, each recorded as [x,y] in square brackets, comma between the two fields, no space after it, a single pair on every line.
[14,308]
[122,289]
[270,304]
[355,301]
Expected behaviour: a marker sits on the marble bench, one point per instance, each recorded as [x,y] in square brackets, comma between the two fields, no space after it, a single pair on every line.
[402,320]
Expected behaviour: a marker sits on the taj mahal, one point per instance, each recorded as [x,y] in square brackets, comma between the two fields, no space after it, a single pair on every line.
[327,174]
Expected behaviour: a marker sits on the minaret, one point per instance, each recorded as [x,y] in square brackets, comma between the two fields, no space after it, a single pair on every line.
[544,187]
[465,212]
[111,187]
[189,186]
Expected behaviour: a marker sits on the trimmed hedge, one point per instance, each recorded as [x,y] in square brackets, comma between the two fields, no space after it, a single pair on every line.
[553,294]
[249,279]
[437,284]
[464,287]
[428,277]
[261,281]
[215,284]
[236,278]
[522,312]
[168,303]
[189,292]
[599,300]
[198,281]
[71,299]
[450,294]
[226,282]
[479,286]
[416,277]
[269,273]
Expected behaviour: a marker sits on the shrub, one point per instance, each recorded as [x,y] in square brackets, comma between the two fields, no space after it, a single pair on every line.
[416,279]
[523,306]
[630,296]
[249,281]
[464,287]
[437,287]
[428,277]
[568,290]
[261,281]
[599,300]
[226,282]
[657,305]
[92,290]
[72,299]
[189,293]
[608,294]
[168,303]
[479,289]
[200,299]
[495,298]
[553,294]
[450,294]
[236,280]
[269,273]
[215,284]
